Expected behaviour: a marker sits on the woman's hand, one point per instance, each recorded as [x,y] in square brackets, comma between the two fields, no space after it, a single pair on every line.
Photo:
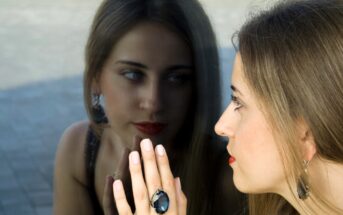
[122,173]
[158,176]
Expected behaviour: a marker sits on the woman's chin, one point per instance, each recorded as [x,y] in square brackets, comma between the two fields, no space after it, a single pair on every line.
[249,188]
[240,185]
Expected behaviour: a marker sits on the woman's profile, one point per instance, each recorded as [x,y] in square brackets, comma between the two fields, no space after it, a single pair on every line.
[284,121]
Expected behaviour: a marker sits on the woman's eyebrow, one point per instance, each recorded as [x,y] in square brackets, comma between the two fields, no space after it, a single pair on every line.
[132,63]
[140,65]
[234,89]
[177,67]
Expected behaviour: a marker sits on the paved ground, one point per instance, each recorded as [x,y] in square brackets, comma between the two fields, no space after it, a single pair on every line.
[32,119]
[41,51]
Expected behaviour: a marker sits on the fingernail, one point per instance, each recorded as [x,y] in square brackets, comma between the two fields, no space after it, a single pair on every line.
[146,145]
[134,157]
[160,150]
[178,183]
[117,186]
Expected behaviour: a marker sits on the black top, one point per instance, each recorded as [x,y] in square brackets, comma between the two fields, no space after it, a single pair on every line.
[91,152]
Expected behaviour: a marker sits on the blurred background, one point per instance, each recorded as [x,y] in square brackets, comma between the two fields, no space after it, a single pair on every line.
[41,63]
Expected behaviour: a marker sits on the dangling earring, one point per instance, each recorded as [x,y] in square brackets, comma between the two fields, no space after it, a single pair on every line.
[303,187]
[98,110]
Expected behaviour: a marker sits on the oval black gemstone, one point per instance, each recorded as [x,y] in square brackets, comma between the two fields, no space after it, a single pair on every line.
[160,202]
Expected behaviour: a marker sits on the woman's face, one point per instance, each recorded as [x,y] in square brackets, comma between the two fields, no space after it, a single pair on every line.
[255,159]
[147,84]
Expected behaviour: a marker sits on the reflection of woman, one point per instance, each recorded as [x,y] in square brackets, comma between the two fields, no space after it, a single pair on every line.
[285,120]
[154,63]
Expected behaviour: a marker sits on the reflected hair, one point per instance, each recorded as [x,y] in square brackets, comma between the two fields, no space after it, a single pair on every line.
[187,18]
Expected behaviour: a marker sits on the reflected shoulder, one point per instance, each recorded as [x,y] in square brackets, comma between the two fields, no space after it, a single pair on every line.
[71,149]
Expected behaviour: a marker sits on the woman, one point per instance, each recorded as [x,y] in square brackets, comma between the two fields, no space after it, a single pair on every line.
[284,123]
[150,64]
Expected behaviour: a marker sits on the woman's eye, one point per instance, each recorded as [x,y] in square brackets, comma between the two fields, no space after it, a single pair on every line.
[132,75]
[178,78]
[236,102]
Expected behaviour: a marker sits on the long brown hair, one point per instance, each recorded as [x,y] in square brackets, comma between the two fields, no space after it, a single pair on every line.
[293,61]
[188,19]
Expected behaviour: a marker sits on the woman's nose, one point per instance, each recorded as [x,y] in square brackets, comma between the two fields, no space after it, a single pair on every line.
[226,124]
[151,98]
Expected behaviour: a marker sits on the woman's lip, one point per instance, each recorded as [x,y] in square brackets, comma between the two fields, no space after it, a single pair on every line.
[150,128]
[231,160]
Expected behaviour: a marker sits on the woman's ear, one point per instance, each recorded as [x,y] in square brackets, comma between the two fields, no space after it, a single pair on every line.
[306,140]
[96,87]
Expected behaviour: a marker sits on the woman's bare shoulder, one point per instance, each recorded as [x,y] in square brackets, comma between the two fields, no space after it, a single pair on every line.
[70,185]
[71,149]
[75,132]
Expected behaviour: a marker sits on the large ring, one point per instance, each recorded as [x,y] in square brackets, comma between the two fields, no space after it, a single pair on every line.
[160,201]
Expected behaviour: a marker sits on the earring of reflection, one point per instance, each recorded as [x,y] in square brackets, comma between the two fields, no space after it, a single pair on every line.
[303,187]
[97,110]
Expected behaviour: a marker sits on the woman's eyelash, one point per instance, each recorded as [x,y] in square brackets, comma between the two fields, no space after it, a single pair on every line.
[236,101]
[132,74]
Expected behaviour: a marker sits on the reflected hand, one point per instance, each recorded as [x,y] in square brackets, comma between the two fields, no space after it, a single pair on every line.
[121,173]
[158,176]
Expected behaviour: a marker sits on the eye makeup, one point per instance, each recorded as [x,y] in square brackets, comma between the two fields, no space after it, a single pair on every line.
[236,101]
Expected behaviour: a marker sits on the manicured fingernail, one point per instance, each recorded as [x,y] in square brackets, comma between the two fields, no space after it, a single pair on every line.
[117,186]
[134,157]
[160,150]
[146,145]
[178,183]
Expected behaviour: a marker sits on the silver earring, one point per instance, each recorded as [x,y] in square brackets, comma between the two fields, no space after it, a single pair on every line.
[98,110]
[303,187]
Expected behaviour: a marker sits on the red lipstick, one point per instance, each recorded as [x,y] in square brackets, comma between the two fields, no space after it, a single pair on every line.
[150,128]
[231,160]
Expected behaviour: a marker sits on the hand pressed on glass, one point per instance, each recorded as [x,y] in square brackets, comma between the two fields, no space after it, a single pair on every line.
[159,193]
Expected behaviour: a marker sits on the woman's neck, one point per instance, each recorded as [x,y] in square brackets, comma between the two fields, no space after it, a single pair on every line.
[326,177]
[114,145]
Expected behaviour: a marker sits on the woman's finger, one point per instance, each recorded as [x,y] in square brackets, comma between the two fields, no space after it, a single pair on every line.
[140,192]
[107,199]
[122,169]
[123,172]
[180,198]
[167,177]
[120,199]
[152,176]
